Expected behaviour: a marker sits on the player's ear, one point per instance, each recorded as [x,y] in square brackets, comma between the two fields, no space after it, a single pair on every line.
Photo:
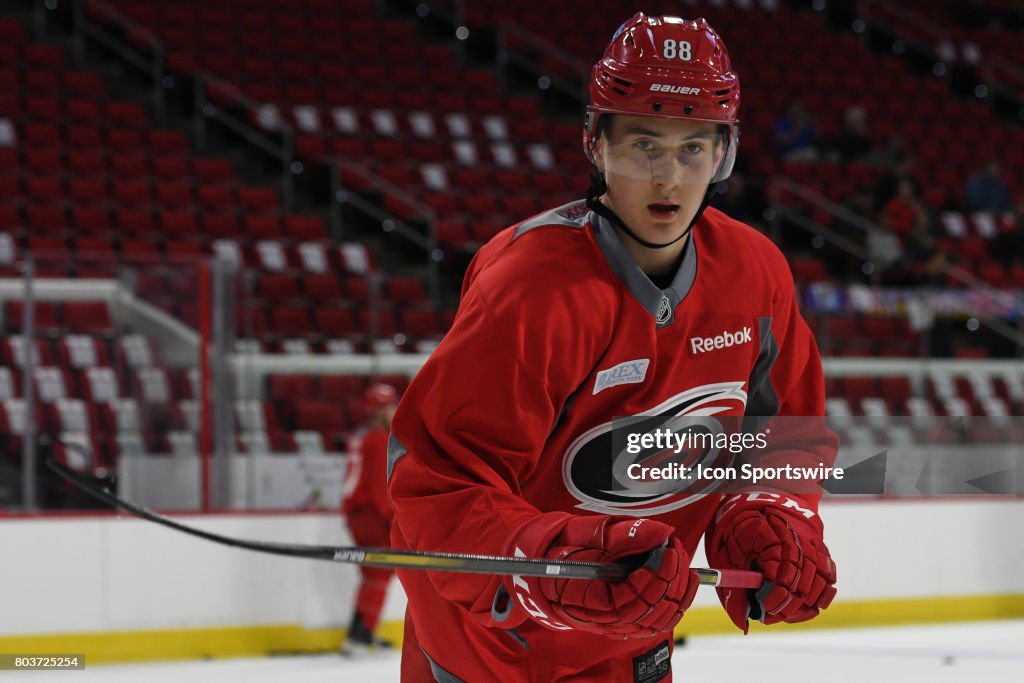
[601,141]
[598,153]
[719,148]
[719,152]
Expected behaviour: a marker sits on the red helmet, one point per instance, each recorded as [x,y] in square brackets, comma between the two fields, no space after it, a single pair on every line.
[670,67]
[379,395]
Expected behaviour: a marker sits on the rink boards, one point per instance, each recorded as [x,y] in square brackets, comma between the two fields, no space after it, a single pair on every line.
[119,589]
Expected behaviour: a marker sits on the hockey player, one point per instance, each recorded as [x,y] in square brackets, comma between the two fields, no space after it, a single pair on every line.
[368,513]
[619,305]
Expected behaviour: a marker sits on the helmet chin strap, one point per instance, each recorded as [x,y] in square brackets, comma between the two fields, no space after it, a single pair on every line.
[598,187]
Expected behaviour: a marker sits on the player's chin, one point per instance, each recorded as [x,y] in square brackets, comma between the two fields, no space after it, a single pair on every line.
[663,233]
[664,223]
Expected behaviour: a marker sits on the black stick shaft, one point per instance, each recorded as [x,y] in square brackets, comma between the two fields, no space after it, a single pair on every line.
[385,557]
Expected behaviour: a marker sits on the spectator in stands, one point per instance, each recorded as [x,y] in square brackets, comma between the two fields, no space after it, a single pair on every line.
[1009,243]
[855,142]
[858,205]
[904,213]
[368,513]
[987,191]
[924,262]
[906,217]
[901,216]
[795,136]
[902,169]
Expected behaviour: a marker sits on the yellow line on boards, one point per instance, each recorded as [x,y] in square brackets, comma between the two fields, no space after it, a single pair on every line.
[186,643]
[865,613]
[255,641]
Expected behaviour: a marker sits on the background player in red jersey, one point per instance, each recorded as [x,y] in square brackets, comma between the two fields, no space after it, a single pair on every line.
[586,313]
[367,511]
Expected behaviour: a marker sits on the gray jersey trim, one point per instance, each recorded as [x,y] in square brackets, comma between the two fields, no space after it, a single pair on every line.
[762,401]
[501,596]
[501,608]
[571,215]
[661,304]
[395,451]
[440,675]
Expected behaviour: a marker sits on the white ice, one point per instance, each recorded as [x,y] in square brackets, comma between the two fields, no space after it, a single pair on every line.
[974,652]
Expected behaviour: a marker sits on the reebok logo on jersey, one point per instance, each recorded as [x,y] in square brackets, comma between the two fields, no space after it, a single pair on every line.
[722,341]
[630,372]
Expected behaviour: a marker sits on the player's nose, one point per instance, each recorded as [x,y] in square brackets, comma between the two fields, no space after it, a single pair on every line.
[667,173]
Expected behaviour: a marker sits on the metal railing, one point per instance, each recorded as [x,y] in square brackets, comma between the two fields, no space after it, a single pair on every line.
[933,40]
[1002,76]
[508,35]
[341,195]
[282,150]
[781,210]
[153,65]
[29,487]
[927,34]
[452,14]
[995,324]
[505,36]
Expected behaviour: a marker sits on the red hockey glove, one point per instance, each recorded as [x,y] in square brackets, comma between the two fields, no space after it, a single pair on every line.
[651,599]
[779,537]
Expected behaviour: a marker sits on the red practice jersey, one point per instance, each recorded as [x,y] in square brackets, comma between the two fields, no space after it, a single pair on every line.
[558,333]
[365,487]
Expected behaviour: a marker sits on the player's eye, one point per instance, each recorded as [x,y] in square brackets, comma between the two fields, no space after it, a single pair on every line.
[693,148]
[644,145]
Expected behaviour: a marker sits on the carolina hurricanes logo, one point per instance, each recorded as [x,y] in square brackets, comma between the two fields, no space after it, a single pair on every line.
[595,472]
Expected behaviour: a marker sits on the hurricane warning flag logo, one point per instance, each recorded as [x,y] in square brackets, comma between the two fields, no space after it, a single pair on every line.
[596,464]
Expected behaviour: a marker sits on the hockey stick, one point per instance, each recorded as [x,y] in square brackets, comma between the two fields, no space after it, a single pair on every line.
[410,559]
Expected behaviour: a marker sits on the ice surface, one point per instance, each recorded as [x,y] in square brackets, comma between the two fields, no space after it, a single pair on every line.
[971,652]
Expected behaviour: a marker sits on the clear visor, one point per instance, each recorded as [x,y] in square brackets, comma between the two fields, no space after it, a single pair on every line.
[670,160]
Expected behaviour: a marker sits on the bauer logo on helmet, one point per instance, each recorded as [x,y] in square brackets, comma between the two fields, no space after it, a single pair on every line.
[679,89]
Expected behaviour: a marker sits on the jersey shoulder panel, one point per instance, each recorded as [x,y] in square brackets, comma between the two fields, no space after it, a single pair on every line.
[571,215]
[563,225]
[547,297]
[550,258]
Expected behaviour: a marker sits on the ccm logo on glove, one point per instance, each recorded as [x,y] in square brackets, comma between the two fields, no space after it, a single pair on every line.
[763,497]
[650,600]
[522,592]
[783,539]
